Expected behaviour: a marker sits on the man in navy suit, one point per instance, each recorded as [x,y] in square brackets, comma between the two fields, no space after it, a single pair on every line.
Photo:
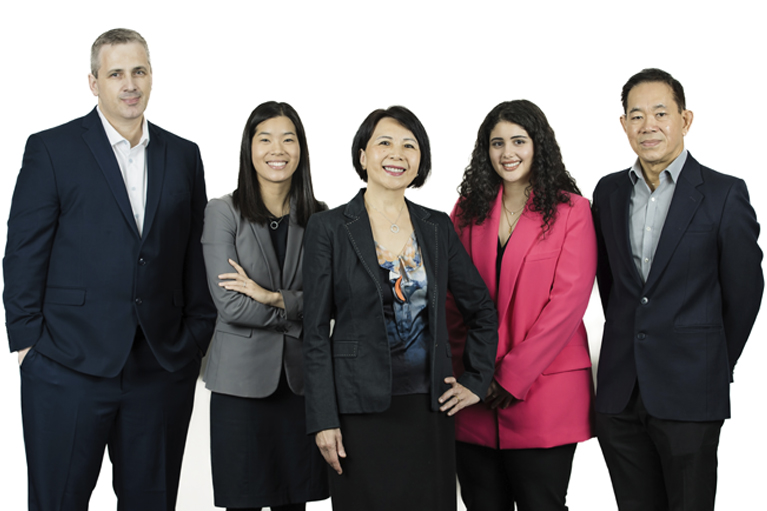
[681,282]
[105,293]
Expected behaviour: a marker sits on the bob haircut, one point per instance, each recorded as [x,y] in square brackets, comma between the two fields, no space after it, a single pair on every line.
[550,182]
[247,197]
[654,75]
[407,120]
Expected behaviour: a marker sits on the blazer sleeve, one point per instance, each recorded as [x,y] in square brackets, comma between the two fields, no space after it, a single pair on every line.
[604,272]
[218,245]
[740,269]
[320,392]
[473,301]
[563,313]
[31,229]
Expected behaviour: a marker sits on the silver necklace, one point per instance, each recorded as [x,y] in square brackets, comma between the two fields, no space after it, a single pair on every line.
[274,223]
[393,227]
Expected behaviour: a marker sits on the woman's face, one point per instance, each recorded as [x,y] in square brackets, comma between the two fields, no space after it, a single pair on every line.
[511,153]
[392,156]
[275,150]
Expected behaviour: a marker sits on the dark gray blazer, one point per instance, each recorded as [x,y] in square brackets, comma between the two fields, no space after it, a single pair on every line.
[348,370]
[252,341]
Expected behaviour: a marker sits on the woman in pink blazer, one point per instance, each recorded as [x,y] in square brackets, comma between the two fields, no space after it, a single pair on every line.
[530,234]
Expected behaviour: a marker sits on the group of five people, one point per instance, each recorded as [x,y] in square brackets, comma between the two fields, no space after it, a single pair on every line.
[429,344]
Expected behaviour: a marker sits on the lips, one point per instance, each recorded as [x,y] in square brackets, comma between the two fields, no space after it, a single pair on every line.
[393,170]
[650,143]
[510,165]
[277,165]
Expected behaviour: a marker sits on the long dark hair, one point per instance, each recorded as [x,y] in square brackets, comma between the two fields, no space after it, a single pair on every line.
[550,182]
[247,197]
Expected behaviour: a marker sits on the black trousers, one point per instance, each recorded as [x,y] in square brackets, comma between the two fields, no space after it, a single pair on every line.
[496,479]
[142,416]
[656,464]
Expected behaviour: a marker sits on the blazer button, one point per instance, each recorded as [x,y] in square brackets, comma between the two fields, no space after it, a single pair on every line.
[141,261]
[138,301]
[641,336]
[644,300]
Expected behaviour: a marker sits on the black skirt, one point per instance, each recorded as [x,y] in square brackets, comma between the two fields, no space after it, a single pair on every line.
[260,452]
[402,459]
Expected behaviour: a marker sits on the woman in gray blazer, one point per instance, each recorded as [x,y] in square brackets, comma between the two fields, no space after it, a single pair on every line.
[253,248]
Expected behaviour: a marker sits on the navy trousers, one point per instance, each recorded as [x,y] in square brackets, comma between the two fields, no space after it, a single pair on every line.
[141,415]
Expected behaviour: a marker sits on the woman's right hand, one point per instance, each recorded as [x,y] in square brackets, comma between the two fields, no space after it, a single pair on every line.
[498,397]
[332,447]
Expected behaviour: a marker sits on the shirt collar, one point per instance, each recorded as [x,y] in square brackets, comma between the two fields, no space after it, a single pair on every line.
[115,138]
[673,170]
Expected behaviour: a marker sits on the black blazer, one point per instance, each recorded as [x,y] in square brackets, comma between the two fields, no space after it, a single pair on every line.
[79,279]
[679,334]
[348,367]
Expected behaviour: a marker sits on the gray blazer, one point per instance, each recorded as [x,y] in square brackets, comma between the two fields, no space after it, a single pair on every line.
[252,341]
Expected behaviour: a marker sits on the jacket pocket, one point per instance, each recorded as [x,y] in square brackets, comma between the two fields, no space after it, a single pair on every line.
[241,331]
[344,349]
[542,255]
[64,296]
[571,358]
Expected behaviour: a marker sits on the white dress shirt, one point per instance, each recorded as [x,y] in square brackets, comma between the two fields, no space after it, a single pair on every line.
[132,162]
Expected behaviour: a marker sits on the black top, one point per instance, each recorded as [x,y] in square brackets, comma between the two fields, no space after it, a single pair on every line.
[280,238]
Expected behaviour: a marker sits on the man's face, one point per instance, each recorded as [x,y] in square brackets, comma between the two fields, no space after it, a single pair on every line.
[124,82]
[654,125]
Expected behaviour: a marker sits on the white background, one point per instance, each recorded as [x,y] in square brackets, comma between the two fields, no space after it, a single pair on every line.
[450,63]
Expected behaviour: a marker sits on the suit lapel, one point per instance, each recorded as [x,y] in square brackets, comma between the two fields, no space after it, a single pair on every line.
[618,213]
[96,139]
[268,254]
[484,240]
[293,250]
[684,204]
[361,236]
[155,161]
[525,234]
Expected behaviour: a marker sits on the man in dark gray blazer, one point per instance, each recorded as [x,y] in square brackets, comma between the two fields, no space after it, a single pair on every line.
[105,292]
[681,282]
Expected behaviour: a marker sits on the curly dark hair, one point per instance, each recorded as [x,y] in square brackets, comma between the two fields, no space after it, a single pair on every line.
[550,182]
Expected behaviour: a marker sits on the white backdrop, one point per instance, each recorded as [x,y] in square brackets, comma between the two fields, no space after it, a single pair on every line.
[335,61]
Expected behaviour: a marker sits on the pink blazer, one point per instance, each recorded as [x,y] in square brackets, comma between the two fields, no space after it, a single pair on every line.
[543,354]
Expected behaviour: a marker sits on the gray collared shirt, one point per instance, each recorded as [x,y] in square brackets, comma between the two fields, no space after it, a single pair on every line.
[648,210]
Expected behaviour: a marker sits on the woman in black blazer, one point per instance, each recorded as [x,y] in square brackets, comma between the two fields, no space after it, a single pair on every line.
[377,360]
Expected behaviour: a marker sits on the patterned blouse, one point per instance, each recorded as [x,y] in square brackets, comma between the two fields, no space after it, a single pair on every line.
[406,314]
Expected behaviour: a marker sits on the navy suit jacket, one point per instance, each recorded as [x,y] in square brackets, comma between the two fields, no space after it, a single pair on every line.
[680,333]
[79,279]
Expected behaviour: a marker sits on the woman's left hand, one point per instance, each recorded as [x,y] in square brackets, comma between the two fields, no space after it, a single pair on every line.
[242,284]
[457,397]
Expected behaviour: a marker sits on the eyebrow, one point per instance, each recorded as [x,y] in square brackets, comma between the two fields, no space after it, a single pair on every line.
[269,133]
[637,109]
[511,138]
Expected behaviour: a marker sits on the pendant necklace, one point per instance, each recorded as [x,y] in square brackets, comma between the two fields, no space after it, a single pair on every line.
[393,227]
[510,215]
[274,223]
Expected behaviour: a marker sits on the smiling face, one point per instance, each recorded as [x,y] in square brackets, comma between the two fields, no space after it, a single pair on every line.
[275,151]
[654,125]
[123,84]
[511,153]
[391,157]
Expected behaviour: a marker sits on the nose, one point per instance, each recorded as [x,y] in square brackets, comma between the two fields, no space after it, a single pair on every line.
[648,125]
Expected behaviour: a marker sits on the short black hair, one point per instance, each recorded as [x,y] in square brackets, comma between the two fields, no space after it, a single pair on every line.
[406,119]
[654,75]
